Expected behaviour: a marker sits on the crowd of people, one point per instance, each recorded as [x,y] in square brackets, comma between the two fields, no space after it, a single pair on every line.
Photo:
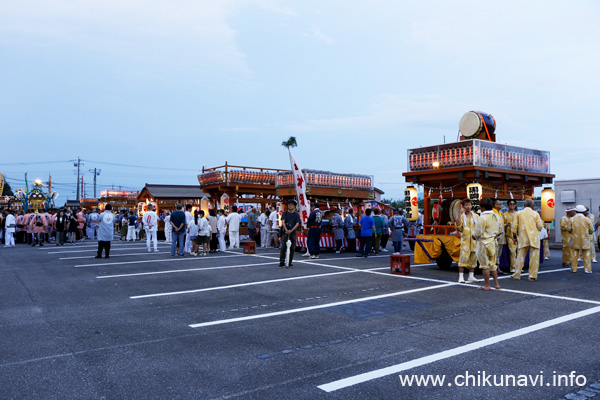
[195,233]
[578,235]
[39,227]
[483,238]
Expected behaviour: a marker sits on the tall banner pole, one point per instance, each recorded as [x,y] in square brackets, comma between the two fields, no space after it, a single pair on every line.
[300,187]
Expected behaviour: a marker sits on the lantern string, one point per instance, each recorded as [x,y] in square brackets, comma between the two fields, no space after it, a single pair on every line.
[449,189]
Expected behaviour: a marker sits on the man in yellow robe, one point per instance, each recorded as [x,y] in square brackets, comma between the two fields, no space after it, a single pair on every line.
[465,224]
[528,225]
[582,230]
[509,219]
[486,232]
[565,235]
[500,241]
[592,236]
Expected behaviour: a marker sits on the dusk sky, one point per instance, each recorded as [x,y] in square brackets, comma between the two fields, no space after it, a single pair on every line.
[165,87]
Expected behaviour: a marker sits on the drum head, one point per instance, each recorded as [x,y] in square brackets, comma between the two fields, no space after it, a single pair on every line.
[455,210]
[470,124]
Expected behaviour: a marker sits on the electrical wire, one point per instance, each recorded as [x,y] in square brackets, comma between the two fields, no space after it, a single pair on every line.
[36,162]
[142,166]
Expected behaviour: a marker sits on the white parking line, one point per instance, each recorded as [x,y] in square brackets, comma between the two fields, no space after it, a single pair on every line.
[113,245]
[113,255]
[187,258]
[173,271]
[242,284]
[394,369]
[303,309]
[549,296]
[96,248]
[364,270]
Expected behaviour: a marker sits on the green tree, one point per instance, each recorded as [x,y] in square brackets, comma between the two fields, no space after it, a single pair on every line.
[7,191]
[394,203]
[290,143]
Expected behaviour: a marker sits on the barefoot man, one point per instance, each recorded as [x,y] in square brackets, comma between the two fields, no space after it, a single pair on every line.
[465,224]
[487,230]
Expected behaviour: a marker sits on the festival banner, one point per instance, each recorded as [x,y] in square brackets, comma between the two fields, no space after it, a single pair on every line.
[300,186]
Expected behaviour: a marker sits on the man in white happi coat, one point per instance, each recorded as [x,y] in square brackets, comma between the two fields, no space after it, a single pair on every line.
[150,221]
[188,218]
[233,223]
[9,228]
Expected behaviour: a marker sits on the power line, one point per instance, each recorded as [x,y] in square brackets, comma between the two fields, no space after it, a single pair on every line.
[142,166]
[36,162]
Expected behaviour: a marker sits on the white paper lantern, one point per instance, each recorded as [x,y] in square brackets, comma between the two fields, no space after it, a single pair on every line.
[474,193]
[225,202]
[548,202]
[411,203]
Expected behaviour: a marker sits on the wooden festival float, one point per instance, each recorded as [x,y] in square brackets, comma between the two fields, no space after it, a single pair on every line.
[474,167]
[332,191]
[233,184]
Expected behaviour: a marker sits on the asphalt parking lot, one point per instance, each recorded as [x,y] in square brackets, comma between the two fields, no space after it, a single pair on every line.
[232,326]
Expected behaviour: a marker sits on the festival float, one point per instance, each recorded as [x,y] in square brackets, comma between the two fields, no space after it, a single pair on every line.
[241,185]
[36,199]
[332,191]
[474,167]
[238,185]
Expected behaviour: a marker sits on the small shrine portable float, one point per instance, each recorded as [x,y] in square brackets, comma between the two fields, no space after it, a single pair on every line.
[473,167]
[36,199]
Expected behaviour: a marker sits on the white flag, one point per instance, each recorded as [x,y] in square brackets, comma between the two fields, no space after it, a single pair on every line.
[300,186]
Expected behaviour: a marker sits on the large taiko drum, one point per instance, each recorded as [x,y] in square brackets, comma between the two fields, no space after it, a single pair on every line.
[455,210]
[474,123]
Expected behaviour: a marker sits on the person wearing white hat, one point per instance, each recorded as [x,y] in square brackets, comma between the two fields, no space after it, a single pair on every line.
[528,225]
[566,228]
[582,230]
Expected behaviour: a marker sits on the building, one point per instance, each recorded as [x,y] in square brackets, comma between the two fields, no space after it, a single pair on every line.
[167,196]
[572,192]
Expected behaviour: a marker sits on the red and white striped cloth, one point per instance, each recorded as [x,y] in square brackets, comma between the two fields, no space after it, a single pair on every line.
[327,241]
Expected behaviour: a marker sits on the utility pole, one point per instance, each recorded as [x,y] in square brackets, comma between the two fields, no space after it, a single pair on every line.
[96,172]
[78,164]
[82,193]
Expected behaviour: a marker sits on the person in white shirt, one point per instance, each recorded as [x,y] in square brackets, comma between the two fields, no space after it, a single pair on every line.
[150,221]
[262,220]
[188,217]
[9,226]
[204,230]
[94,221]
[212,221]
[233,222]
[222,229]
[274,227]
[168,227]
[192,233]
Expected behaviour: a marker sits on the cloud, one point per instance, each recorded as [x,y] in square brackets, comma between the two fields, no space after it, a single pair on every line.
[146,39]
[389,111]
[317,34]
[240,129]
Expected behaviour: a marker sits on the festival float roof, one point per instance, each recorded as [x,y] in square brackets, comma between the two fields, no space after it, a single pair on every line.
[504,171]
[259,185]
